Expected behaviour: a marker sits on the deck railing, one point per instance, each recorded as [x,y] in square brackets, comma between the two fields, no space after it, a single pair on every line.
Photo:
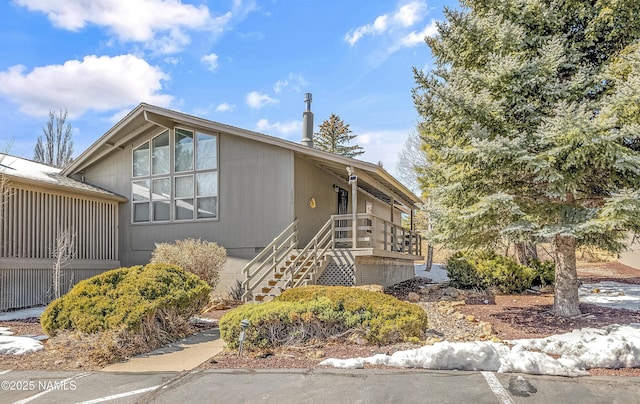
[299,266]
[375,233]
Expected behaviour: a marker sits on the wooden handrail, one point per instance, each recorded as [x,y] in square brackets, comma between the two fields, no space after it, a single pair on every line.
[270,257]
[377,233]
[310,256]
[372,232]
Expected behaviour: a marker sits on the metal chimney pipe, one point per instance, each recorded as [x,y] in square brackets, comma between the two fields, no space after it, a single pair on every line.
[307,123]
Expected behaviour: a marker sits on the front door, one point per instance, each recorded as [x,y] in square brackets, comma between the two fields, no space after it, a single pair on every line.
[343,209]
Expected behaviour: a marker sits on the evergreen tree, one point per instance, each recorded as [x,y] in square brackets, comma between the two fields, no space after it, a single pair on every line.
[334,135]
[530,122]
[57,147]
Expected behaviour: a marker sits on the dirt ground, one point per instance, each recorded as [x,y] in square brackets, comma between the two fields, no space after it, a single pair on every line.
[453,315]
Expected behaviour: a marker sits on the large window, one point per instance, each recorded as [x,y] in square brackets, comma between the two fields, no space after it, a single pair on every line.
[175,178]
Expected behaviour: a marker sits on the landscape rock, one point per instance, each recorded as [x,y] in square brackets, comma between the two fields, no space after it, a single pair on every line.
[413,297]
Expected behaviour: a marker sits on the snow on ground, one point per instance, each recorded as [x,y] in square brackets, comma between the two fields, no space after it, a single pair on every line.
[12,345]
[614,346]
[611,347]
[614,295]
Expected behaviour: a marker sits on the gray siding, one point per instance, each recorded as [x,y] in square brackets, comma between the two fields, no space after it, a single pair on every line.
[29,282]
[255,200]
[311,182]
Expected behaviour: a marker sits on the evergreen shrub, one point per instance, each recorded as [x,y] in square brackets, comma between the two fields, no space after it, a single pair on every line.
[203,258]
[545,272]
[486,269]
[324,312]
[134,299]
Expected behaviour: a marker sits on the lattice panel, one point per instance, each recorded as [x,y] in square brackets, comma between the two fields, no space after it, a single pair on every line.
[338,275]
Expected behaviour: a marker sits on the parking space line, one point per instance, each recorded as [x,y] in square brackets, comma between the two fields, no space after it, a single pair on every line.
[120,395]
[494,384]
[42,393]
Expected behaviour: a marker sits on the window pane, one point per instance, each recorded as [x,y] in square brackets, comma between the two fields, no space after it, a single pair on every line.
[161,189]
[207,208]
[184,209]
[184,150]
[141,161]
[184,186]
[206,152]
[160,154]
[141,212]
[207,184]
[140,190]
[161,211]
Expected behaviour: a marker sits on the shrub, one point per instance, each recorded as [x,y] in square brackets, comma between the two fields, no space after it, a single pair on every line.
[137,299]
[203,258]
[484,269]
[462,272]
[545,272]
[321,312]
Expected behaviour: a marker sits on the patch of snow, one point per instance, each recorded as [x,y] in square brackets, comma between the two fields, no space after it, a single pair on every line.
[18,345]
[610,347]
[24,168]
[610,294]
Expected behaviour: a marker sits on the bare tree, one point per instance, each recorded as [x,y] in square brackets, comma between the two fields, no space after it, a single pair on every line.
[4,181]
[57,146]
[411,160]
[63,252]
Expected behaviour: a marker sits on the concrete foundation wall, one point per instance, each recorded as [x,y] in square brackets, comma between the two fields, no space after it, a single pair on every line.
[382,271]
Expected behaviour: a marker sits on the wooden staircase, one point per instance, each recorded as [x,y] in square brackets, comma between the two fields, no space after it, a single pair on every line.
[279,281]
[281,265]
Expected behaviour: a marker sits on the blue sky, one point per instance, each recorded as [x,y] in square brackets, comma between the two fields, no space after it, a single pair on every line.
[240,62]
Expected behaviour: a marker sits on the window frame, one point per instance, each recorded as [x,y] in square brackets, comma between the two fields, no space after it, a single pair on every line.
[172,175]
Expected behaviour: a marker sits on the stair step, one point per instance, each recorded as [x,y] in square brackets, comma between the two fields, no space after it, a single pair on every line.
[272,282]
[280,275]
[261,297]
[267,289]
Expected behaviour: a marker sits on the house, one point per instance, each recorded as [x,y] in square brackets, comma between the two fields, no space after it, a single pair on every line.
[37,205]
[287,213]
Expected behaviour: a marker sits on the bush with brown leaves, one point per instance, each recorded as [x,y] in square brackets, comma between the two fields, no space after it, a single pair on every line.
[202,258]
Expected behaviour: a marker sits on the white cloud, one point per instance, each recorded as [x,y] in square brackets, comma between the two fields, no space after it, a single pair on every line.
[210,61]
[280,84]
[405,16]
[410,14]
[257,100]
[99,83]
[225,107]
[283,128]
[382,146]
[161,24]
[416,38]
[294,81]
[173,60]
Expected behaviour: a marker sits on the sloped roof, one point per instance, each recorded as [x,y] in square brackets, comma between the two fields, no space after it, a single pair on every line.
[23,170]
[372,177]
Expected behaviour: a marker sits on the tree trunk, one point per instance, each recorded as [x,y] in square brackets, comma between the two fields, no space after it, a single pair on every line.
[565,302]
[525,250]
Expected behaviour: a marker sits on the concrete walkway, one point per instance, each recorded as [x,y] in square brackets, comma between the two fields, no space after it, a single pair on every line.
[179,356]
